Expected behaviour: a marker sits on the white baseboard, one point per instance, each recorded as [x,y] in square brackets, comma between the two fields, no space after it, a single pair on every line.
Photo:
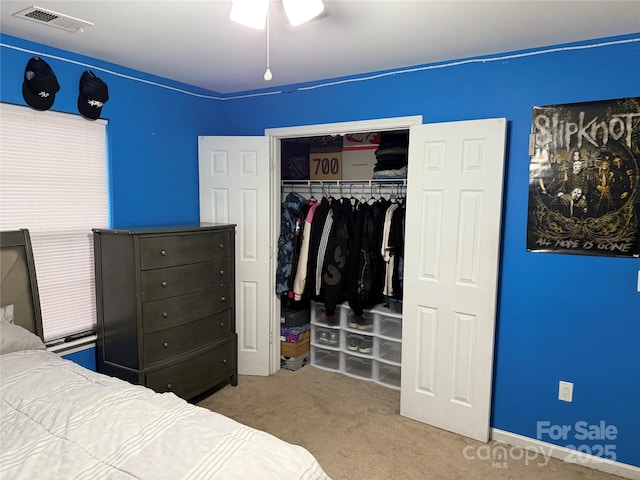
[566,454]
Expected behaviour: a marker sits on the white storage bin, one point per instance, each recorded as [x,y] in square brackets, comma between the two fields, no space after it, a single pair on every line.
[389,350]
[352,322]
[325,359]
[358,367]
[357,343]
[339,344]
[321,335]
[319,315]
[388,326]
[387,375]
[395,305]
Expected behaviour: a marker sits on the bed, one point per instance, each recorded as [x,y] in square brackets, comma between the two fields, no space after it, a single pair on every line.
[59,420]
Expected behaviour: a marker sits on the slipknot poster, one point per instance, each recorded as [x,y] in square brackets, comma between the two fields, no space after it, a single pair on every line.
[583,179]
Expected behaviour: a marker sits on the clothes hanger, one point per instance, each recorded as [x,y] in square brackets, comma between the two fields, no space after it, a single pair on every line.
[362,198]
[353,200]
[393,197]
[372,198]
[311,196]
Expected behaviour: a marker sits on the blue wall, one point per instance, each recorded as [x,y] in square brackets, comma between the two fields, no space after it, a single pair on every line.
[153,130]
[561,317]
[86,358]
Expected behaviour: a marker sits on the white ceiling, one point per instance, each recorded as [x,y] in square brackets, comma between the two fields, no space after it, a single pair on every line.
[194,42]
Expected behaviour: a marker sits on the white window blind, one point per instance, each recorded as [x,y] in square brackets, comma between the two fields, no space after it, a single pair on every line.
[53,181]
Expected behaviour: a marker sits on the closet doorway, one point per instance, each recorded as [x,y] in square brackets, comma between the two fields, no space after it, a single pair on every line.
[468,330]
[276,135]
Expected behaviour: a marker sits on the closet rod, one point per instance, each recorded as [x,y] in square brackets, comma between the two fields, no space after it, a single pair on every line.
[375,181]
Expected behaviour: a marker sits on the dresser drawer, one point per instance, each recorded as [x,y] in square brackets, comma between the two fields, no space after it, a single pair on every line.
[170,312]
[171,250]
[174,281]
[193,375]
[165,344]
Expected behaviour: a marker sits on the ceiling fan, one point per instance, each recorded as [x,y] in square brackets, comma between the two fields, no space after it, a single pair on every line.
[255,14]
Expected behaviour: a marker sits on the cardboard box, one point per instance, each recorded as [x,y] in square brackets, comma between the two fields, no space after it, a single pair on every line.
[361,141]
[325,165]
[288,349]
[325,158]
[358,164]
[295,334]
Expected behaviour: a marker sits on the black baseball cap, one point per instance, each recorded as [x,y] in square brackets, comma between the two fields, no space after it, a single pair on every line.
[40,84]
[93,95]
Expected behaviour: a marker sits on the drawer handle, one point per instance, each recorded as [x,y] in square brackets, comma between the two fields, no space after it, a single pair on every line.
[164,284]
[221,245]
[163,253]
[165,345]
[169,386]
[224,360]
[165,314]
[221,272]
[223,299]
[221,324]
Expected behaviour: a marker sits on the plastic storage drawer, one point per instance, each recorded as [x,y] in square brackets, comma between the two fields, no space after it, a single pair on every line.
[325,359]
[388,350]
[387,375]
[325,336]
[351,321]
[388,326]
[319,315]
[358,343]
[358,367]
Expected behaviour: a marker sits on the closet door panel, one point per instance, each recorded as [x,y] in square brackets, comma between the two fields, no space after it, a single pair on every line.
[454,202]
[234,179]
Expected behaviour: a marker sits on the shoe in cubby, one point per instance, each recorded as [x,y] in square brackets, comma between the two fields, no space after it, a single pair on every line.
[366,345]
[359,322]
[353,342]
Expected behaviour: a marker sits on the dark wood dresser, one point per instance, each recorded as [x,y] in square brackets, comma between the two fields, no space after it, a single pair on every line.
[165,306]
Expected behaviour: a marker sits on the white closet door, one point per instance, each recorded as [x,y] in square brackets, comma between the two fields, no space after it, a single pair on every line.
[235,188]
[454,199]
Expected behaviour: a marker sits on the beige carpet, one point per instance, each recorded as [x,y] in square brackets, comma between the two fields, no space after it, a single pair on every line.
[354,429]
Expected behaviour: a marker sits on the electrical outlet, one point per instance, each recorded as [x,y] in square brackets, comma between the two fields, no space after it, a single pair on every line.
[565,391]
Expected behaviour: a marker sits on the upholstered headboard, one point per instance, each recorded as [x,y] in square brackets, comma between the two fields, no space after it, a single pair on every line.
[18,285]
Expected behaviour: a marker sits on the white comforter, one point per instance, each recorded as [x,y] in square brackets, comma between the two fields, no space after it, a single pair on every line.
[62,421]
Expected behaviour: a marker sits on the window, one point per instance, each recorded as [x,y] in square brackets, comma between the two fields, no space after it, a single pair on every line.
[53,181]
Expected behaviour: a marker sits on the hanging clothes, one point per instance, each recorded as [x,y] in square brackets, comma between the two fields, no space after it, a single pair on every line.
[342,251]
[322,249]
[360,260]
[396,243]
[300,278]
[290,216]
[317,226]
[387,251]
[298,244]
[336,259]
[377,213]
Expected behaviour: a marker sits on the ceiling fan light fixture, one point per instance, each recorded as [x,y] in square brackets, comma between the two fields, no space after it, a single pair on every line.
[301,11]
[252,13]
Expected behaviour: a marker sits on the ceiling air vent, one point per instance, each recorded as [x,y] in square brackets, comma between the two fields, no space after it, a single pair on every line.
[52,19]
